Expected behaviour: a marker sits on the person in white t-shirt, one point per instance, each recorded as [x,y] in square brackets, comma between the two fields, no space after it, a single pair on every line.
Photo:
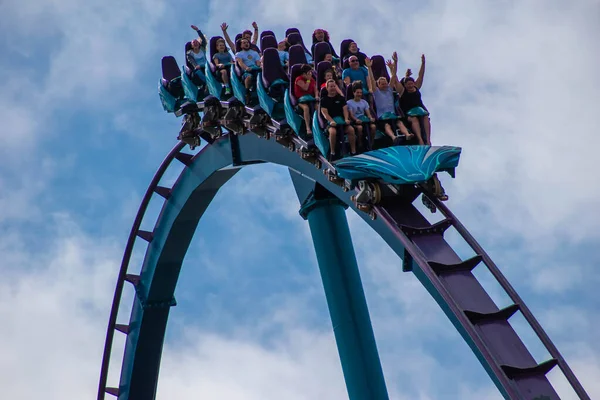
[360,114]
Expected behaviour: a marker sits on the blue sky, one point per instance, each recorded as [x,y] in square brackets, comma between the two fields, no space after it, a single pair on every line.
[82,132]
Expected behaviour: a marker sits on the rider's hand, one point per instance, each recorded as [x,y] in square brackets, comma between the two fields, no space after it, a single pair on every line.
[347,122]
[224,26]
[333,123]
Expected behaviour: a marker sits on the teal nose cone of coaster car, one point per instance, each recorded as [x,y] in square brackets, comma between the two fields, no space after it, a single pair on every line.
[400,164]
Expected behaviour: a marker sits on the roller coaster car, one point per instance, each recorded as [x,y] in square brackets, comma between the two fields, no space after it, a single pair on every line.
[170,88]
[398,165]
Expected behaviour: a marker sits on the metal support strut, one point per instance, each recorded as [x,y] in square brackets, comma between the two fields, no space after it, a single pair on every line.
[344,292]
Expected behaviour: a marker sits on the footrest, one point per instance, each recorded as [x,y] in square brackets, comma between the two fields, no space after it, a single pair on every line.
[184,158]
[436,229]
[113,391]
[163,191]
[501,315]
[540,369]
[465,266]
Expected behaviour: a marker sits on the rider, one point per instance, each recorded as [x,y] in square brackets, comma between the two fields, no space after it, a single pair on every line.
[412,104]
[335,112]
[360,113]
[305,90]
[222,60]
[196,56]
[384,99]
[249,62]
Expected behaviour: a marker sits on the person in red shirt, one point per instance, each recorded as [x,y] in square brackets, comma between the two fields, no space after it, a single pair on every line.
[305,90]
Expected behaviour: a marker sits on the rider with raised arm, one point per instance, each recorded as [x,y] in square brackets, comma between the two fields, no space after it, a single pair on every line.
[247,34]
[335,112]
[196,56]
[383,97]
[412,104]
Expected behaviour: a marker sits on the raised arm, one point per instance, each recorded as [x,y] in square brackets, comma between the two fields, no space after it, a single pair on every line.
[370,78]
[255,36]
[419,81]
[394,78]
[231,45]
[203,42]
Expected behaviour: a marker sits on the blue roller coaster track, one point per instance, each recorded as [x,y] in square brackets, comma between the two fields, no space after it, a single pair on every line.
[390,179]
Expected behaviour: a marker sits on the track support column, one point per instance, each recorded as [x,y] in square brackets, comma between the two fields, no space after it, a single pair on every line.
[344,292]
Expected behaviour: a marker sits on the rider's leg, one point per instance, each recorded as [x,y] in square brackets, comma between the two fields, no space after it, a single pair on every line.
[359,135]
[306,111]
[416,128]
[388,131]
[351,138]
[332,139]
[427,126]
[403,130]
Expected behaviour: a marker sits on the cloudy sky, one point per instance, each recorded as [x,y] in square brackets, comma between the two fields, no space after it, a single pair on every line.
[515,83]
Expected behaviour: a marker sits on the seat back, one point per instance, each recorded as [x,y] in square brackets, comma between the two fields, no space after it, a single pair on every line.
[170,69]
[297,55]
[267,33]
[294,36]
[291,30]
[268,42]
[294,73]
[349,92]
[272,72]
[238,42]
[188,47]
[321,50]
[171,77]
[344,48]
[379,68]
[320,118]
[321,68]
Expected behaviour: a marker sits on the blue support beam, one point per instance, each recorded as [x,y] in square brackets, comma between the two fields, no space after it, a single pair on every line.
[344,291]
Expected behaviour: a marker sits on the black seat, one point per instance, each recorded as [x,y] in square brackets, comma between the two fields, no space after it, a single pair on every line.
[171,77]
[321,50]
[268,42]
[274,77]
[297,55]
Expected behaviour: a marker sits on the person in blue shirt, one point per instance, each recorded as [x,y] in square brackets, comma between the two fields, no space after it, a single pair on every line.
[249,62]
[356,73]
